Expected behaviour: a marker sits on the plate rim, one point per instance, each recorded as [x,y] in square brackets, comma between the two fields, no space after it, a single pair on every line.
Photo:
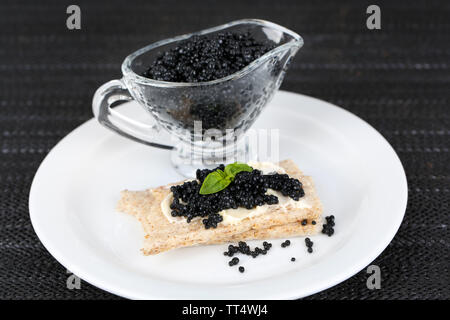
[338,278]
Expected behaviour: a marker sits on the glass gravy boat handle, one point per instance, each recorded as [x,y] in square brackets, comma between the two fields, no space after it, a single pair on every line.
[111,92]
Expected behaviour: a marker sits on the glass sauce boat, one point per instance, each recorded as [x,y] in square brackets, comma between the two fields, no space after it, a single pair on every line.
[206,120]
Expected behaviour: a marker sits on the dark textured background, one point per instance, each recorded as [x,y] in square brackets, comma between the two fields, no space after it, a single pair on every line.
[396,78]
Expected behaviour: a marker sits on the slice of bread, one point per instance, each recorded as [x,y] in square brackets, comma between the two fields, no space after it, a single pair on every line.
[162,235]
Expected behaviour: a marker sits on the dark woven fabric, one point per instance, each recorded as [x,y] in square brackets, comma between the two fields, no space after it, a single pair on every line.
[397,79]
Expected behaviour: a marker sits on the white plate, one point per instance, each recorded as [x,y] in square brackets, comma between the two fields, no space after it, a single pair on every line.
[359,179]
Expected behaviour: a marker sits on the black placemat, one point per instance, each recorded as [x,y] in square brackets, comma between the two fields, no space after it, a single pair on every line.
[396,78]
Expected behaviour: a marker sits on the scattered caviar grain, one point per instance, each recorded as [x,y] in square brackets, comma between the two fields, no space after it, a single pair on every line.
[241,269]
[266,246]
[286,244]
[244,248]
[304,222]
[309,244]
[233,261]
[327,228]
[313,222]
[292,259]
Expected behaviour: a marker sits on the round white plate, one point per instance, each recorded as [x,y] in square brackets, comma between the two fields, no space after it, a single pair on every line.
[358,176]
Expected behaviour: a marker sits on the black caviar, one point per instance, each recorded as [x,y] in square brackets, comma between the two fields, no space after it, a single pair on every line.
[292,259]
[244,248]
[207,57]
[309,244]
[304,222]
[248,190]
[286,243]
[327,228]
[213,115]
[233,261]
[241,269]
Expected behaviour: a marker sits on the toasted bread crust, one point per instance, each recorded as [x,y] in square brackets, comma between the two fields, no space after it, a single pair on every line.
[162,235]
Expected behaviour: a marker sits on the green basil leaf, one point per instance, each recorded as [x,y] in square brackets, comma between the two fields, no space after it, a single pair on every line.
[222,174]
[234,168]
[215,182]
[219,180]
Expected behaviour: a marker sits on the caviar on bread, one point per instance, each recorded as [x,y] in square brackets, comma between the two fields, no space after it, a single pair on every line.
[247,190]
[259,204]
